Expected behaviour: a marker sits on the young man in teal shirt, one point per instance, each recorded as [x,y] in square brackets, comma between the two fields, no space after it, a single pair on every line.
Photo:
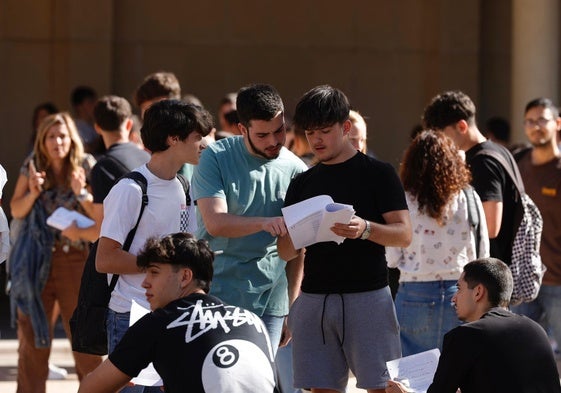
[239,186]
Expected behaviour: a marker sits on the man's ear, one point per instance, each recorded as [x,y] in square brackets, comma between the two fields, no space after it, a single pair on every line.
[172,140]
[347,125]
[186,277]
[558,121]
[243,129]
[128,124]
[462,126]
[480,293]
[97,129]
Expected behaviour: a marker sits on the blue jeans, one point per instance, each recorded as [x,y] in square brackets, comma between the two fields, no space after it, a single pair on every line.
[425,314]
[283,358]
[274,328]
[117,325]
[546,310]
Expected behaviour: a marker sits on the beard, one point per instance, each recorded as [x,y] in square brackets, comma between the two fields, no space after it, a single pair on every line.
[261,153]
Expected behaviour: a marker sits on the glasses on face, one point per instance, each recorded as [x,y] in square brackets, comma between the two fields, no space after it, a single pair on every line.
[531,123]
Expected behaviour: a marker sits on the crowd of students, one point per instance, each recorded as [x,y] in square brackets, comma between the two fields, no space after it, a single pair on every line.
[216,264]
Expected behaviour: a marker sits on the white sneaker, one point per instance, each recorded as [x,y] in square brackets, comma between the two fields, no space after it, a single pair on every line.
[56,372]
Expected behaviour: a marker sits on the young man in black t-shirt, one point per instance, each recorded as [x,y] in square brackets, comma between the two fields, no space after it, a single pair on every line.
[344,317]
[195,341]
[453,113]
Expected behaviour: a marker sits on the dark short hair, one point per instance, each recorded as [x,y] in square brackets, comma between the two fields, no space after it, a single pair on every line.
[111,111]
[173,118]
[82,93]
[449,108]
[321,107]
[180,250]
[499,128]
[158,84]
[258,102]
[494,275]
[232,117]
[545,103]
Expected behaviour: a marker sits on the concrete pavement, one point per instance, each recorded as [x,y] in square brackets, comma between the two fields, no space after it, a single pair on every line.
[61,355]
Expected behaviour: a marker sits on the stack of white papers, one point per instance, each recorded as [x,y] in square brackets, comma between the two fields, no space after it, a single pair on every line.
[62,218]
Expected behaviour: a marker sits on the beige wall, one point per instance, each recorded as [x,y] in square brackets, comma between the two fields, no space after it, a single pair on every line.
[389,57]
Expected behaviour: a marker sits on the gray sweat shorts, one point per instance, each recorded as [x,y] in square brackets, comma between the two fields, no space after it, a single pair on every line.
[332,333]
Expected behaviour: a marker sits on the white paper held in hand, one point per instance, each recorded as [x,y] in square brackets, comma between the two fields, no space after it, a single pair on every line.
[416,372]
[310,221]
[62,218]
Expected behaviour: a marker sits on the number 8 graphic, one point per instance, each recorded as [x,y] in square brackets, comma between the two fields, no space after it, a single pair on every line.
[225,356]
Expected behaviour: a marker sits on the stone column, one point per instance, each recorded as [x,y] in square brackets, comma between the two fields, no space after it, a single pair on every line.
[535,56]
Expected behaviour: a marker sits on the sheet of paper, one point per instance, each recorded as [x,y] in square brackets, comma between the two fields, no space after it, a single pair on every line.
[62,218]
[415,371]
[334,212]
[148,376]
[309,221]
[297,212]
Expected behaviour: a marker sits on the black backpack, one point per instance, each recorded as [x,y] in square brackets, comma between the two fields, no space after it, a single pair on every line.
[526,263]
[87,325]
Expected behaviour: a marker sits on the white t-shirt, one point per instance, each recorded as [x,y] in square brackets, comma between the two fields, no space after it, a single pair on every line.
[439,252]
[165,213]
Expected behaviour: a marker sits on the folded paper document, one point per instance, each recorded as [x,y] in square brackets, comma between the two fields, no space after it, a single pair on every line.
[310,221]
[415,372]
[62,218]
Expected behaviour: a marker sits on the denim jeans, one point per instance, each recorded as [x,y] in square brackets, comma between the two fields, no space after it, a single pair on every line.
[274,328]
[283,357]
[425,314]
[117,325]
[546,310]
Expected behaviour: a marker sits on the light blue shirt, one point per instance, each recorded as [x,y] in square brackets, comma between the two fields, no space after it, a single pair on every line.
[249,273]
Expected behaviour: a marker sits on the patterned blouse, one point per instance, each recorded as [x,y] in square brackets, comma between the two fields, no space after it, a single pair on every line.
[58,196]
[439,252]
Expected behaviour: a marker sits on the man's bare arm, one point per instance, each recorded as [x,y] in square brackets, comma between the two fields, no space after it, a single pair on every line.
[294,275]
[111,258]
[106,378]
[285,248]
[218,222]
[396,232]
[493,216]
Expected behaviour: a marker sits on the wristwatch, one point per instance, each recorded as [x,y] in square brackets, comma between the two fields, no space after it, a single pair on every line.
[83,196]
[366,234]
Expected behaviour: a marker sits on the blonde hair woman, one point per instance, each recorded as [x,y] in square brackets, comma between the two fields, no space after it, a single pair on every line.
[53,175]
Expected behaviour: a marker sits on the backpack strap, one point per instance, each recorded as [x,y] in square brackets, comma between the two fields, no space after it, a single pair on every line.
[112,167]
[473,217]
[510,168]
[142,182]
[186,187]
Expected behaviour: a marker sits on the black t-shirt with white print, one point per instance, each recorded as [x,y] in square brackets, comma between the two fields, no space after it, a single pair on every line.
[199,344]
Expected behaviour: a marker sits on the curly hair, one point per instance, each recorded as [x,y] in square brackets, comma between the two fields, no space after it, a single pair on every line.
[433,172]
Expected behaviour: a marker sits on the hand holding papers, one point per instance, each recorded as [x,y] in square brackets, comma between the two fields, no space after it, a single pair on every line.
[62,218]
[309,221]
[416,372]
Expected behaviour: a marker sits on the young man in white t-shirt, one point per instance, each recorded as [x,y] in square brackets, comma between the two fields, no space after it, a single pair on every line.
[173,132]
